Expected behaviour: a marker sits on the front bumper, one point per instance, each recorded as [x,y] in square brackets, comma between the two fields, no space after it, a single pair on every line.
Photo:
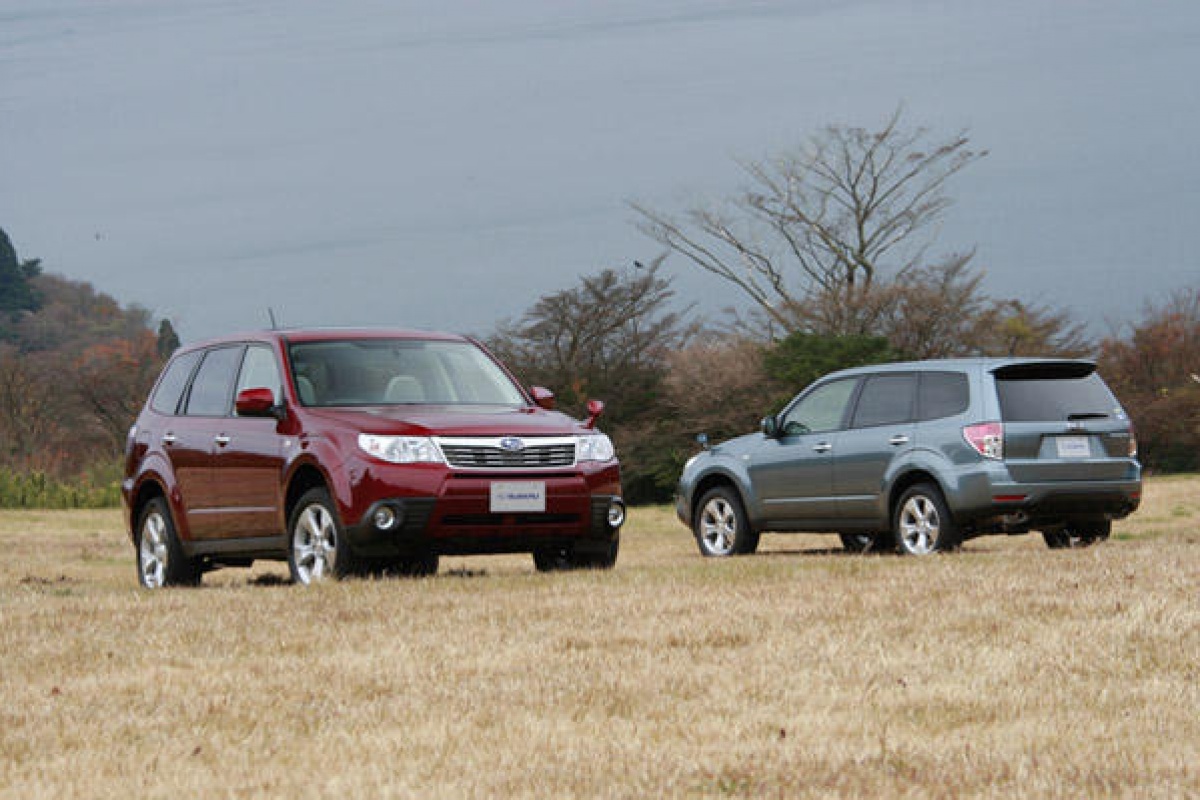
[464,526]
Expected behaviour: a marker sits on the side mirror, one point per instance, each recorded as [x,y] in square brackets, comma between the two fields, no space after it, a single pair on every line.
[259,402]
[543,397]
[594,408]
[769,427]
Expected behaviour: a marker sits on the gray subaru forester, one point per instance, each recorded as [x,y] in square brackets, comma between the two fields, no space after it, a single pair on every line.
[920,456]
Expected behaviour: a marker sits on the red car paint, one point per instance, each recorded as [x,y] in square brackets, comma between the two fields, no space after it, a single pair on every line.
[231,464]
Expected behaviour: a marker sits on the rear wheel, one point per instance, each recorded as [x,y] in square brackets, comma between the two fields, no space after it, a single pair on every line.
[1070,536]
[721,527]
[318,549]
[860,542]
[161,560]
[922,523]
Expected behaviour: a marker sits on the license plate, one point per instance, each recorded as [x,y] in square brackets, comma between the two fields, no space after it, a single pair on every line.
[518,496]
[1073,447]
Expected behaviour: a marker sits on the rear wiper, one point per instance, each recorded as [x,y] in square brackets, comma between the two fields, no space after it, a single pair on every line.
[1087,415]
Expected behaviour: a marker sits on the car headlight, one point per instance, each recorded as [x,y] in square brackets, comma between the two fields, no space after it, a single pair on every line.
[401,449]
[596,447]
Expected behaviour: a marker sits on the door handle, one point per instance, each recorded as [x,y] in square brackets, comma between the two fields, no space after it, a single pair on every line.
[899,438]
[221,439]
[168,439]
[822,447]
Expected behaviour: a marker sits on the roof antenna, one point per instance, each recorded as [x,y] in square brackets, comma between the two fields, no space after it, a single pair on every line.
[271,314]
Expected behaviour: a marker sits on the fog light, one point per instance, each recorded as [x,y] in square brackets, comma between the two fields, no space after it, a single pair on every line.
[616,514]
[386,518]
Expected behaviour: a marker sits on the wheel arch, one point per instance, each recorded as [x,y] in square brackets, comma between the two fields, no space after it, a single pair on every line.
[149,488]
[906,481]
[711,481]
[306,476]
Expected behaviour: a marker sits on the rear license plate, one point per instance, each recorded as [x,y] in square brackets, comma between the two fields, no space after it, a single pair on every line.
[1073,447]
[518,496]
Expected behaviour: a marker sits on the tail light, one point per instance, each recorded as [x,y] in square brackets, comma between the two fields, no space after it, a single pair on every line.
[1132,441]
[986,438]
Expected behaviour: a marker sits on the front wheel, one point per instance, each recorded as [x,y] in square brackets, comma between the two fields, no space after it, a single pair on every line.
[318,549]
[161,560]
[562,559]
[922,523]
[721,527]
[421,565]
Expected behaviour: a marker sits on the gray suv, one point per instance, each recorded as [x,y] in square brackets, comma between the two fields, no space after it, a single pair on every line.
[920,456]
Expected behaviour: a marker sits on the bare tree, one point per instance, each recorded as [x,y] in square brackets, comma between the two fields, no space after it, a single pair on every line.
[852,206]
[609,337]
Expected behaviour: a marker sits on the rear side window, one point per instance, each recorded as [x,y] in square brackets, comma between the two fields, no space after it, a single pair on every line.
[942,394]
[885,400]
[174,381]
[212,390]
[1043,396]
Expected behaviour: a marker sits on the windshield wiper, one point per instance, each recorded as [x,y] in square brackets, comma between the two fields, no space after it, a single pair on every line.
[1087,415]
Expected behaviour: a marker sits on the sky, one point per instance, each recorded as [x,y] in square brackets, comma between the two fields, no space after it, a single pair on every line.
[442,165]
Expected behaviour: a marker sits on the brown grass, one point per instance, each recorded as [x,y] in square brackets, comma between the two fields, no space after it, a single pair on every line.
[1004,670]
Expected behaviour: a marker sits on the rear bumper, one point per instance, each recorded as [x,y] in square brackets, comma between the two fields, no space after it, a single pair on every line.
[992,498]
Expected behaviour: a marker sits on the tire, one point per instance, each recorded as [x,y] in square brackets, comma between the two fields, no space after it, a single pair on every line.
[922,523]
[860,542]
[317,546]
[160,557]
[564,559]
[1071,537]
[421,565]
[552,559]
[721,527]
[605,558]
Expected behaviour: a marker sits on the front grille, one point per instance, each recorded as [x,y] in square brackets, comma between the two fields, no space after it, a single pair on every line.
[488,453]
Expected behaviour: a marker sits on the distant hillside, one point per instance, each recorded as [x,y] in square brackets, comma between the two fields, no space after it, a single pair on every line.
[74,367]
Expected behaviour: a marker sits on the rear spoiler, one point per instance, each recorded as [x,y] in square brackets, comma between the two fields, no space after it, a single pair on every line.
[1042,370]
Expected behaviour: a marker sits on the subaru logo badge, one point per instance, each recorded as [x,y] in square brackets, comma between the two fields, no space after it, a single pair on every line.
[511,444]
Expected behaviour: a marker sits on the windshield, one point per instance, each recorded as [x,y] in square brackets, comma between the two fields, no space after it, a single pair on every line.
[378,372]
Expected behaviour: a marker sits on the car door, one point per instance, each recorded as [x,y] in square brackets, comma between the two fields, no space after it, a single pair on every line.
[248,458]
[881,429]
[172,433]
[207,405]
[792,472]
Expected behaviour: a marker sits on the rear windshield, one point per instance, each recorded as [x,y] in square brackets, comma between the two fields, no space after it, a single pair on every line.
[1043,396]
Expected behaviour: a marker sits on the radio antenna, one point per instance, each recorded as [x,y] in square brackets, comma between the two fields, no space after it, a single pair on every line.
[271,314]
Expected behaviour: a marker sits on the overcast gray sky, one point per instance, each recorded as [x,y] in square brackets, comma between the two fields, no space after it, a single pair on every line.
[443,164]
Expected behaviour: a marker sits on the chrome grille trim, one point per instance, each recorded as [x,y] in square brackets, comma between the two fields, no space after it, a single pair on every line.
[485,453]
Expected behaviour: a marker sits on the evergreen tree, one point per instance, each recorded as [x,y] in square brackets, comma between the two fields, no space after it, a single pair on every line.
[17,293]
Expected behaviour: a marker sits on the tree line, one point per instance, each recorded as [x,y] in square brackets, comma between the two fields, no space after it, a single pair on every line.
[832,245]
[75,365]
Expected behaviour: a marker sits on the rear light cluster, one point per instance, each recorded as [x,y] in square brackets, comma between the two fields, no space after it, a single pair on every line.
[987,439]
[1132,441]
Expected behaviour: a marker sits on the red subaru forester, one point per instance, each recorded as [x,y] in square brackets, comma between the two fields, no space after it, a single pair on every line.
[357,451]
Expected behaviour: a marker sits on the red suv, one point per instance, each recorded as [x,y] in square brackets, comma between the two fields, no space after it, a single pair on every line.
[354,451]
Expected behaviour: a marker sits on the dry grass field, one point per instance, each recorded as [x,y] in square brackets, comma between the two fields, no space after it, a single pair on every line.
[1003,670]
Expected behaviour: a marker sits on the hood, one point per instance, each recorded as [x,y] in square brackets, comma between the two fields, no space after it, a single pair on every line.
[739,445]
[430,420]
